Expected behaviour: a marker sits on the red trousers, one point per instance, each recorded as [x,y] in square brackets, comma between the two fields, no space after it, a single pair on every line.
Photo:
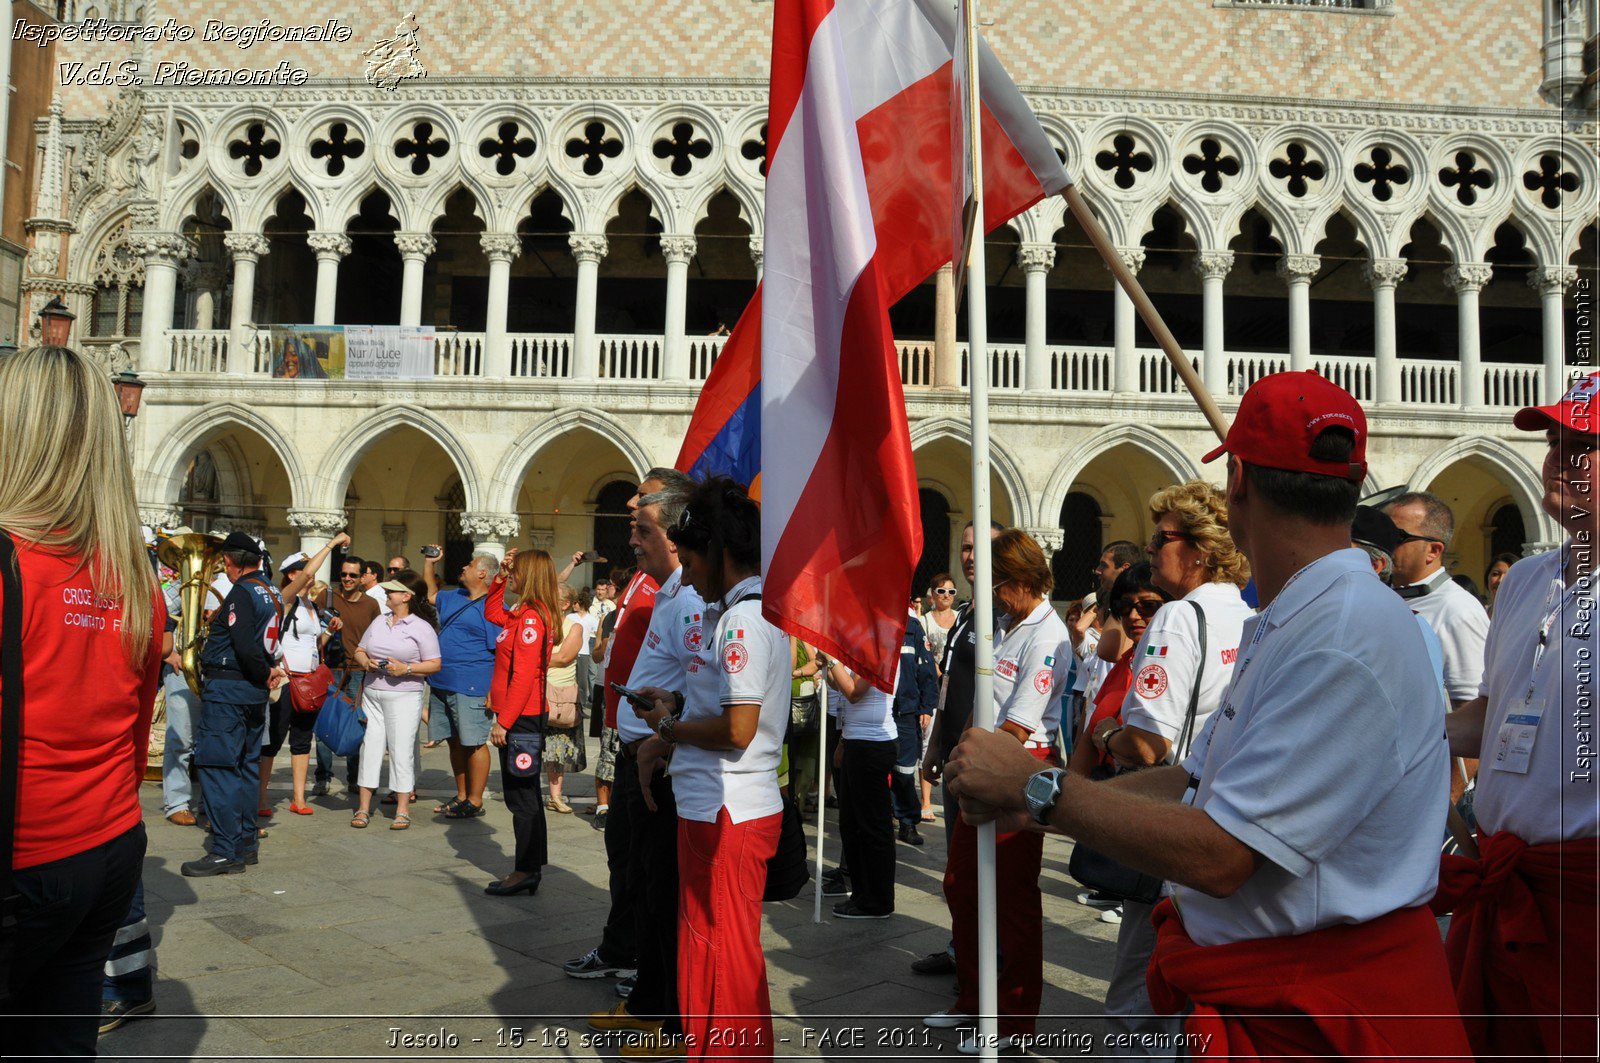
[1021,918]
[722,972]
[1522,946]
[1360,991]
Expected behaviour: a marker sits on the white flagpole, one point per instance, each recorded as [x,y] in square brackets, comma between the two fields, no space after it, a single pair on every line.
[822,785]
[982,586]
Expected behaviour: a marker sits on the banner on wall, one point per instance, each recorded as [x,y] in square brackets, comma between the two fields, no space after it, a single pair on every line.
[352,352]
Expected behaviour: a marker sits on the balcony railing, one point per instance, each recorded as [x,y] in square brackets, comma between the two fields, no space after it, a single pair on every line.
[1070,369]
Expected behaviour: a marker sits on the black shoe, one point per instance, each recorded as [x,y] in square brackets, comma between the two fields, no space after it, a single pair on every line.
[852,910]
[528,885]
[599,822]
[835,886]
[252,858]
[592,965]
[625,985]
[114,1013]
[909,835]
[210,864]
[940,962]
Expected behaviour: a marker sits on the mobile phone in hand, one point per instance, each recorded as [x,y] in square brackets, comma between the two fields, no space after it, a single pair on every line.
[431,551]
[633,695]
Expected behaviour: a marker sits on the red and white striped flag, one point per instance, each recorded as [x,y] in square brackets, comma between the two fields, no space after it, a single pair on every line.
[858,213]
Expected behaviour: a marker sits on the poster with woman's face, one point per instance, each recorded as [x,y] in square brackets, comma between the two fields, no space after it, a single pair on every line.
[304,353]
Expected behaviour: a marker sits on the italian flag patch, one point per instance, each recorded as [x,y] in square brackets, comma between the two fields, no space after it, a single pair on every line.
[1155,651]
[732,634]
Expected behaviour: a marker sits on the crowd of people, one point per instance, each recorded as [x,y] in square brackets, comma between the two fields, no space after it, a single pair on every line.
[1260,729]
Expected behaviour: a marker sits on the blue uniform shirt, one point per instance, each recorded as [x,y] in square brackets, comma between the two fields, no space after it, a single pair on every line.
[241,644]
[467,643]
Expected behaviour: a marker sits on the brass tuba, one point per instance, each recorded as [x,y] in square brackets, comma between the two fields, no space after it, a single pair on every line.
[195,557]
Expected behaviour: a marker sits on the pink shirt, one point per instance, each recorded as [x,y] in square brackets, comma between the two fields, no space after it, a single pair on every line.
[410,640]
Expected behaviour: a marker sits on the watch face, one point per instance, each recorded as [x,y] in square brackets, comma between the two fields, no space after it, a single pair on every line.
[1040,792]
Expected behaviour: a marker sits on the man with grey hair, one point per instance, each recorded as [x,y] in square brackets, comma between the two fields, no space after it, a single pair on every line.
[1426,528]
[456,693]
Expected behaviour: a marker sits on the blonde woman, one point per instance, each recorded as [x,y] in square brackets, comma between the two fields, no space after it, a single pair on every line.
[563,746]
[89,608]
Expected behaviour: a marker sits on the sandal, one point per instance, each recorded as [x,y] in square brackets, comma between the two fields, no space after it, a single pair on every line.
[360,820]
[445,808]
[464,810]
[402,821]
[928,816]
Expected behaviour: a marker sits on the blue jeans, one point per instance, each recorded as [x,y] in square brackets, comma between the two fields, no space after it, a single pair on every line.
[349,684]
[130,969]
[179,752]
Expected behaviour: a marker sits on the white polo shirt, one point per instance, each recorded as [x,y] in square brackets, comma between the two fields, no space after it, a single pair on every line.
[1556,798]
[746,661]
[1328,758]
[1032,673]
[1167,658]
[669,643]
[1462,624]
[872,718]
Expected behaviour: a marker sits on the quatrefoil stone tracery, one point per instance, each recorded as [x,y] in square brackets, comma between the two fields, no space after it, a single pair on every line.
[422,147]
[1466,177]
[506,147]
[337,147]
[1382,173]
[755,149]
[1297,169]
[1551,180]
[682,147]
[594,147]
[1124,160]
[1211,165]
[255,148]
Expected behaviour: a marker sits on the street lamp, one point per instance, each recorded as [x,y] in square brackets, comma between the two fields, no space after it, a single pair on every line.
[130,391]
[55,323]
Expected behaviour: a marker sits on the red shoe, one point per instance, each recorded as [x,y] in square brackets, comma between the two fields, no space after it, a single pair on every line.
[264,813]
[300,810]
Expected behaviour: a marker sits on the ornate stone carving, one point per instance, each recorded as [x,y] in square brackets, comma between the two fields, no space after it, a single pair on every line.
[1049,539]
[758,251]
[1036,258]
[160,247]
[1385,272]
[321,523]
[1132,257]
[330,245]
[415,245]
[162,515]
[1470,277]
[394,539]
[677,250]
[1552,279]
[253,527]
[246,245]
[542,538]
[1299,267]
[1213,265]
[588,247]
[491,527]
[500,246]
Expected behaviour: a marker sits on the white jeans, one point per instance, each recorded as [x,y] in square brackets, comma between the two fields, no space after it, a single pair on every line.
[393,717]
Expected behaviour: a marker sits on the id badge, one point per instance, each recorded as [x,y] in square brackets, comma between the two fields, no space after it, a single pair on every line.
[1513,746]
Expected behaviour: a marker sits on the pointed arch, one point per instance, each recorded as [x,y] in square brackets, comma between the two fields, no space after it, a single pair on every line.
[1159,446]
[1516,471]
[431,206]
[1004,465]
[503,489]
[347,207]
[345,455]
[164,479]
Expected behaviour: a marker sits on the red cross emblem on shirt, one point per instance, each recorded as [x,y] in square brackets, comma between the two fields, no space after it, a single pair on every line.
[1151,682]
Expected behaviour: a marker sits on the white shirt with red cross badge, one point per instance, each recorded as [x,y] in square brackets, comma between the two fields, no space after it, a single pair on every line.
[670,643]
[1032,672]
[1167,659]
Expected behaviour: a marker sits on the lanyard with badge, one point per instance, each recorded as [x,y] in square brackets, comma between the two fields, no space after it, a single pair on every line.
[1513,745]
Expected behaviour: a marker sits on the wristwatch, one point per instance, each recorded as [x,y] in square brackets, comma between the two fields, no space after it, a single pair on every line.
[1041,793]
[665,728]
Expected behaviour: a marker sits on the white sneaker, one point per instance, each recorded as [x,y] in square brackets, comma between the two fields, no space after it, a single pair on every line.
[1112,915]
[948,1019]
[968,1044]
[1101,901]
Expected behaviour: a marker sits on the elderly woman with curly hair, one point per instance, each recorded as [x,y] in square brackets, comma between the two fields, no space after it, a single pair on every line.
[1182,665]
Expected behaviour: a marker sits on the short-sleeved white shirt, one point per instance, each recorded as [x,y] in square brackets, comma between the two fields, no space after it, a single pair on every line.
[301,629]
[1556,799]
[669,643]
[1167,658]
[1032,671]
[745,661]
[1462,624]
[1328,758]
[872,718]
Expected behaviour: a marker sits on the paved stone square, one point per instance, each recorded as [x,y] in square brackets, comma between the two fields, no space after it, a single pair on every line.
[340,938]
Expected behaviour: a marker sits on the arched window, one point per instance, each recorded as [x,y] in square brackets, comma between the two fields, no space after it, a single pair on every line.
[457,543]
[610,530]
[1074,563]
[935,540]
[1507,532]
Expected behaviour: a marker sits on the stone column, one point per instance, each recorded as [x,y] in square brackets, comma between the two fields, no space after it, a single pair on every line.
[330,249]
[394,540]
[946,360]
[1125,357]
[247,249]
[677,250]
[1552,282]
[501,248]
[204,281]
[758,254]
[1298,270]
[414,251]
[1035,260]
[316,527]
[1384,274]
[588,249]
[490,532]
[1213,268]
[161,251]
[1049,539]
[1467,281]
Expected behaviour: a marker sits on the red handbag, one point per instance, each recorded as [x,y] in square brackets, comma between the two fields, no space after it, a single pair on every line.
[308,690]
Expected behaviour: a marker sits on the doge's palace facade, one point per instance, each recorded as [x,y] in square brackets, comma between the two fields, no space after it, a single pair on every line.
[1398,193]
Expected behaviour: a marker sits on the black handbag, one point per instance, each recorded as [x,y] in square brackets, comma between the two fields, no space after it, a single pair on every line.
[788,871]
[10,743]
[1103,874]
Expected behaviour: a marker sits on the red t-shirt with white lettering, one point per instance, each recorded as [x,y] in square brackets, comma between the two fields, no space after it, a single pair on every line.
[85,716]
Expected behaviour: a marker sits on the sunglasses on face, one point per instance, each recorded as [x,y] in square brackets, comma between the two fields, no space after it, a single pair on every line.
[947,592]
[1146,609]
[1162,538]
[394,568]
[1407,537]
[349,575]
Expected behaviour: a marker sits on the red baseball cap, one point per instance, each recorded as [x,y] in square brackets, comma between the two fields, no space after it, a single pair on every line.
[1281,416]
[1576,410]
